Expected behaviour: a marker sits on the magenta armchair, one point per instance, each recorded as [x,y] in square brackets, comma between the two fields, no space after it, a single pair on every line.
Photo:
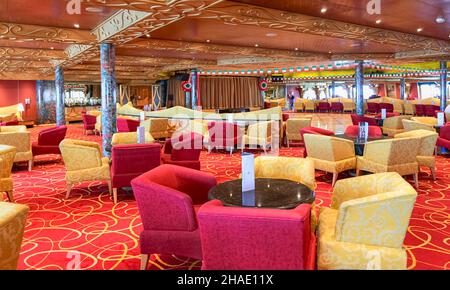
[373,108]
[337,107]
[444,137]
[420,110]
[224,135]
[127,125]
[130,161]
[165,197]
[358,119]
[324,107]
[374,131]
[184,150]
[236,238]
[48,141]
[388,106]
[88,122]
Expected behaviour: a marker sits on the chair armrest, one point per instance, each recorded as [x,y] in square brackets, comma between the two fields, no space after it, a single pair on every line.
[343,149]
[378,151]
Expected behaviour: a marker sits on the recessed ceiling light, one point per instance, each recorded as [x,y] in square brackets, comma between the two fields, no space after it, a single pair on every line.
[419,29]
[94,9]
[323,10]
[296,48]
[208,41]
[148,35]
[271,34]
[256,45]
[76,25]
[440,19]
[378,21]
[52,48]
[330,51]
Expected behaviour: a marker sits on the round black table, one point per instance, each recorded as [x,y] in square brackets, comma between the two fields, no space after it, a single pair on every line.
[268,193]
[360,143]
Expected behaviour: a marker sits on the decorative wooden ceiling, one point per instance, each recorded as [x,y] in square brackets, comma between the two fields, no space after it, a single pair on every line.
[157,37]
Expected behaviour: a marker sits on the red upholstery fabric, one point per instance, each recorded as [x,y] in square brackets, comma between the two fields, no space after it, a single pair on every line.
[286,116]
[48,141]
[430,110]
[314,130]
[388,115]
[324,107]
[337,107]
[10,123]
[235,238]
[358,119]
[374,131]
[88,121]
[165,198]
[130,161]
[389,107]
[224,134]
[127,125]
[420,110]
[183,150]
[444,137]
[373,108]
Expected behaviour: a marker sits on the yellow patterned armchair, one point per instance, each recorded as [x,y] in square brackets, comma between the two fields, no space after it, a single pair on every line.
[393,155]
[293,127]
[330,154]
[19,137]
[259,134]
[12,226]
[411,125]
[98,124]
[158,128]
[394,125]
[410,109]
[365,227]
[426,120]
[84,162]
[310,106]
[130,138]
[427,148]
[7,154]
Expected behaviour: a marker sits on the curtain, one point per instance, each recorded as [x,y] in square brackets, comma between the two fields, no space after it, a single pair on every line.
[230,92]
[174,88]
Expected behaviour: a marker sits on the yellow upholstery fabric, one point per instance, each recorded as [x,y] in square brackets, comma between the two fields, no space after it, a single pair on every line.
[293,127]
[7,154]
[127,109]
[158,128]
[83,161]
[259,134]
[309,105]
[390,156]
[394,125]
[290,168]
[428,101]
[366,225]
[94,113]
[98,123]
[330,154]
[11,110]
[425,120]
[130,138]
[409,108]
[19,137]
[298,104]
[428,139]
[12,225]
[410,125]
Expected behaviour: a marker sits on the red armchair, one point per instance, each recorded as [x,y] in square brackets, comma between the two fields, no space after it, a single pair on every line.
[127,125]
[130,161]
[373,108]
[430,110]
[235,238]
[358,119]
[48,141]
[10,123]
[316,131]
[337,107]
[224,135]
[444,137]
[166,197]
[388,106]
[89,122]
[374,131]
[420,110]
[183,150]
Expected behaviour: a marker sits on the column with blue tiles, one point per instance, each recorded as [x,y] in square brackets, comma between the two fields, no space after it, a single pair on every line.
[443,85]
[402,89]
[359,80]
[194,92]
[60,105]
[109,95]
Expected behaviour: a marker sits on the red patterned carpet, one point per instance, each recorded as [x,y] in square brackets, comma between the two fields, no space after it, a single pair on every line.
[106,235]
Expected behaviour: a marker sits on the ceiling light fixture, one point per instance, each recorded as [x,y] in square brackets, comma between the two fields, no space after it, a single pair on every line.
[76,25]
[208,41]
[419,29]
[256,45]
[323,10]
[271,34]
[440,19]
[378,21]
[296,48]
[94,9]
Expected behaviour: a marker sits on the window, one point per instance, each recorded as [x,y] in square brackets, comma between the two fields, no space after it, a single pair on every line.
[341,92]
[310,94]
[429,90]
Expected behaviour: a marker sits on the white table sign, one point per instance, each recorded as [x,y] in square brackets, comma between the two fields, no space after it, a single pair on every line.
[248,172]
[141,135]
[383,114]
[441,119]
[142,116]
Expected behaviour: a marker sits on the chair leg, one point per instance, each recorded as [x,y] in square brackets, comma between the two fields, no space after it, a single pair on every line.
[433,173]
[110,189]
[358,172]
[10,196]
[144,261]
[115,195]
[335,177]
[416,180]
[30,165]
[69,189]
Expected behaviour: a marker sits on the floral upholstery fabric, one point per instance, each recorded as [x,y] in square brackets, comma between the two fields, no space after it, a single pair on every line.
[83,161]
[366,224]
[330,154]
[410,125]
[428,140]
[12,225]
[259,134]
[158,128]
[7,154]
[130,138]
[293,127]
[390,156]
[425,120]
[394,125]
[11,110]
[19,137]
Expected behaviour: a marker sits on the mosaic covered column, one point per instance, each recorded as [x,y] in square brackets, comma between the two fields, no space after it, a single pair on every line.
[109,94]
[195,89]
[443,85]
[359,80]
[60,105]
[333,89]
[402,89]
